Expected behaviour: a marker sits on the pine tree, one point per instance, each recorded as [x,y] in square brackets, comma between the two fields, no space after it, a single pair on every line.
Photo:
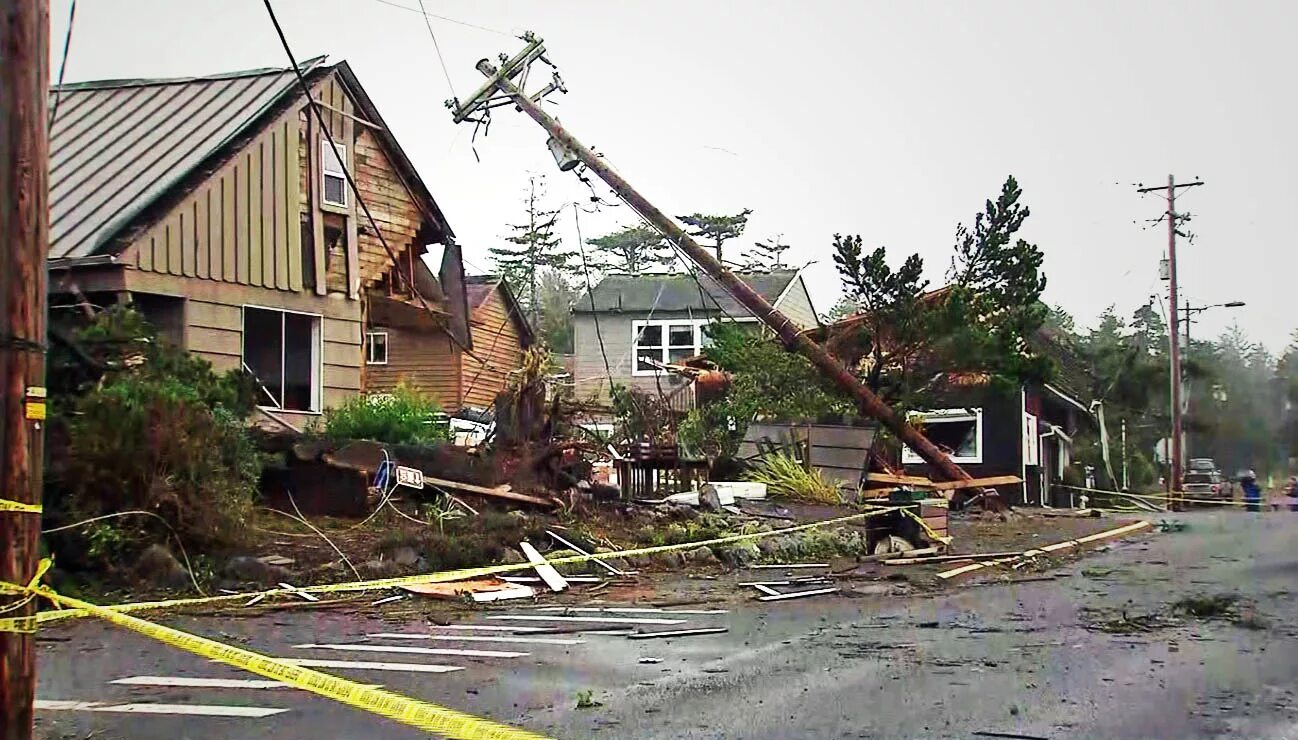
[717,229]
[767,255]
[536,247]
[630,250]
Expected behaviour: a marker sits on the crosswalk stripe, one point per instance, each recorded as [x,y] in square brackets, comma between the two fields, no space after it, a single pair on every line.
[362,665]
[200,683]
[611,620]
[201,710]
[415,650]
[477,638]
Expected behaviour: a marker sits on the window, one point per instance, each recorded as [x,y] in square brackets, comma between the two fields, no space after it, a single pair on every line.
[1031,441]
[376,348]
[957,432]
[282,351]
[333,188]
[665,341]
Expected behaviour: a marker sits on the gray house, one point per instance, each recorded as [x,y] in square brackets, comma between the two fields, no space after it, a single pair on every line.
[644,319]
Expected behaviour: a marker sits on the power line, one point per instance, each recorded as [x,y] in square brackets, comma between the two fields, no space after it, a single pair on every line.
[63,64]
[590,293]
[426,14]
[437,47]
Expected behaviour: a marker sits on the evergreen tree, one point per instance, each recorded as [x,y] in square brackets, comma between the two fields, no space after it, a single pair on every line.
[767,255]
[535,248]
[555,296]
[631,250]
[717,229]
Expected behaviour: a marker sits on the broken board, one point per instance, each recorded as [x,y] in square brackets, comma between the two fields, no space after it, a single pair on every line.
[543,569]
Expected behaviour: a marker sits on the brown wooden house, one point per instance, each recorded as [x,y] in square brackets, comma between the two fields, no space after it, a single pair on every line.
[499,334]
[217,206]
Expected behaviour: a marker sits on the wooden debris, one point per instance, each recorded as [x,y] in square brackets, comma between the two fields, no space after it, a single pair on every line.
[388,600]
[535,579]
[501,492]
[996,480]
[678,633]
[946,558]
[580,551]
[543,569]
[766,589]
[651,661]
[512,592]
[766,583]
[459,589]
[789,565]
[799,594]
[1137,526]
[298,592]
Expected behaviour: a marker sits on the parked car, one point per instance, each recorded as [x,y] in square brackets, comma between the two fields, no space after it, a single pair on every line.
[1203,465]
[1206,485]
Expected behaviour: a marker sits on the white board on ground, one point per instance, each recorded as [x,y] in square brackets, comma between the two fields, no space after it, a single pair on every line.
[200,683]
[543,569]
[610,620]
[364,665]
[630,610]
[198,710]
[476,638]
[414,650]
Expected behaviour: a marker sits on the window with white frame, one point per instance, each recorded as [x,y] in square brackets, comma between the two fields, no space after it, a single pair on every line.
[376,348]
[333,185]
[282,351]
[665,341]
[957,432]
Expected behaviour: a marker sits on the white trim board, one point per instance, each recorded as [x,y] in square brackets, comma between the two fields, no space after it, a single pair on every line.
[364,665]
[477,638]
[201,683]
[198,710]
[610,620]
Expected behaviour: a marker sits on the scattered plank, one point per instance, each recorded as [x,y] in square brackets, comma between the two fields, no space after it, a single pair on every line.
[946,558]
[298,592]
[501,492]
[789,565]
[543,569]
[677,633]
[580,551]
[513,592]
[800,594]
[765,583]
[995,480]
[898,480]
[569,579]
[766,589]
[1137,526]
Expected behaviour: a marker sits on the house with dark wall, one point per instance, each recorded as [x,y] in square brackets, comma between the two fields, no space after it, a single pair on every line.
[635,320]
[217,206]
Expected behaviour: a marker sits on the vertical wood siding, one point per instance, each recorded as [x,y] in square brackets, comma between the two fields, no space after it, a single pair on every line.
[495,340]
[237,226]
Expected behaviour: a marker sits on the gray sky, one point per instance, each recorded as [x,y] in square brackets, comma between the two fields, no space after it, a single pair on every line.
[895,120]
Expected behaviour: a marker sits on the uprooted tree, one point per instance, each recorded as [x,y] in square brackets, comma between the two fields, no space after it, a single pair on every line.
[909,343]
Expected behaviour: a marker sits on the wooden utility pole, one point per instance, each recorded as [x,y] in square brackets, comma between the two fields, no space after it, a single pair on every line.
[1177,463]
[566,147]
[24,228]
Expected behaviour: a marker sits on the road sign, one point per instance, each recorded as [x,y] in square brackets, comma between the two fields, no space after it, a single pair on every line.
[410,477]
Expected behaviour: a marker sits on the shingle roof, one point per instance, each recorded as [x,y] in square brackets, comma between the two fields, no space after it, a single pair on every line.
[642,293]
[118,145]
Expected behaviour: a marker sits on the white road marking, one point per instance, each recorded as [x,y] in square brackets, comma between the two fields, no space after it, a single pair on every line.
[477,638]
[630,610]
[202,710]
[362,665]
[614,620]
[200,683]
[415,650]
[488,627]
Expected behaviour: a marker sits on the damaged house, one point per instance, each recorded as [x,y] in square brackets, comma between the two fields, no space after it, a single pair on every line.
[217,206]
[640,322]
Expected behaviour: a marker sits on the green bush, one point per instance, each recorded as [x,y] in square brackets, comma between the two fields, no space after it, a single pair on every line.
[160,431]
[404,416]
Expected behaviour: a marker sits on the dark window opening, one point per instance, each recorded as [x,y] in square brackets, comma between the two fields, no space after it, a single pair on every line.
[281,350]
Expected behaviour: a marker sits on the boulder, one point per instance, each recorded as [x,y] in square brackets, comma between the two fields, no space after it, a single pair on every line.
[156,565]
[247,569]
[738,555]
[709,499]
[379,569]
[701,556]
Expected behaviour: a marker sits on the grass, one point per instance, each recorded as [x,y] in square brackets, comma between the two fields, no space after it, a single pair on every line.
[786,478]
[586,700]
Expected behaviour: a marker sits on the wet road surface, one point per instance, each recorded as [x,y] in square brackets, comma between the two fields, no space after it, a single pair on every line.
[1003,658]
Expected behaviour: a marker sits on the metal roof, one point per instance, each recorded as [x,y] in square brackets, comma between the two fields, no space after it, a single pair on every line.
[639,293]
[118,145]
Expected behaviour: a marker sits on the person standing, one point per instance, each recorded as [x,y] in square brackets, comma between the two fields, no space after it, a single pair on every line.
[1252,491]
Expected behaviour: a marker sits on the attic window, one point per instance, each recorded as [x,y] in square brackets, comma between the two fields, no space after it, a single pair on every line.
[333,187]
[957,432]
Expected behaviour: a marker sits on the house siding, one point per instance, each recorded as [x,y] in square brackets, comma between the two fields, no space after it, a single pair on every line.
[797,305]
[1002,449]
[429,361]
[589,373]
[496,340]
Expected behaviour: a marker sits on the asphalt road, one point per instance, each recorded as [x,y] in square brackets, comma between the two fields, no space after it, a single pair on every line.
[1001,658]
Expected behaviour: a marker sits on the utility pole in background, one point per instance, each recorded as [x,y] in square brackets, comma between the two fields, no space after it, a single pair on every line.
[1177,463]
[24,231]
[569,153]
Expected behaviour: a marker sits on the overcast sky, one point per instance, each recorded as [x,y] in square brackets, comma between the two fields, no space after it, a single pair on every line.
[894,120]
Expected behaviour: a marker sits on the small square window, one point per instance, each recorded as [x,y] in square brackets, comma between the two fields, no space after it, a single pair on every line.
[376,348]
[333,187]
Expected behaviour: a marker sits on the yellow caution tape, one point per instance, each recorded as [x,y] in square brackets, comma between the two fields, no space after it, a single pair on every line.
[9,505]
[927,529]
[20,625]
[455,575]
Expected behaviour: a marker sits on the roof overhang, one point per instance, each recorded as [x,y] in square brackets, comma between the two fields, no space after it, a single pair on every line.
[1066,398]
[398,314]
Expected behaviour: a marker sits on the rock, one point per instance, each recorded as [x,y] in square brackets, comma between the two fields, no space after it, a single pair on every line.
[739,555]
[404,556]
[701,556]
[159,567]
[379,569]
[709,499]
[513,557]
[673,559]
[251,570]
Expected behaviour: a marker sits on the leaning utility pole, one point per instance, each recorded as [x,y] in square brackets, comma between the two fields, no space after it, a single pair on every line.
[24,229]
[569,152]
[1177,464]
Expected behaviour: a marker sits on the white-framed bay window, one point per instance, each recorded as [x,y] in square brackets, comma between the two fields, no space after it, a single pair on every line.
[957,432]
[665,341]
[282,350]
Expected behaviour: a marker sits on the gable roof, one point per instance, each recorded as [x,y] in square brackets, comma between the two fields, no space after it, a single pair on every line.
[479,288]
[675,292]
[120,146]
